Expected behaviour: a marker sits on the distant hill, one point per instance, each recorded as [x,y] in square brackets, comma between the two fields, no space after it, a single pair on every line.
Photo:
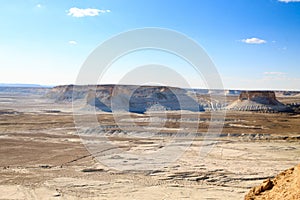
[24,85]
[145,98]
[24,89]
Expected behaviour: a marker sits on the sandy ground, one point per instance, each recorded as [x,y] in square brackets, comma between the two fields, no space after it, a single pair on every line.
[42,156]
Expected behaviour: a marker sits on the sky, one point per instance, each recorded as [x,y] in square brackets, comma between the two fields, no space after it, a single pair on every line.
[254,44]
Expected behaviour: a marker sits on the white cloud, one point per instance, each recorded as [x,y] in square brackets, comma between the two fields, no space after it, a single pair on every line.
[288,1]
[72,42]
[80,12]
[254,41]
[39,5]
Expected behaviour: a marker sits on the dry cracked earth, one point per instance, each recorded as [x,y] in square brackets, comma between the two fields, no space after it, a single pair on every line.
[43,157]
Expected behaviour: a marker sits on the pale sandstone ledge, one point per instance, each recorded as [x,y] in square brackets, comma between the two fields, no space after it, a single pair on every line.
[285,186]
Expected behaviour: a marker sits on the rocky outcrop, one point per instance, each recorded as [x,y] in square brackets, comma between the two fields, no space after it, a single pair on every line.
[130,98]
[284,186]
[262,97]
[262,101]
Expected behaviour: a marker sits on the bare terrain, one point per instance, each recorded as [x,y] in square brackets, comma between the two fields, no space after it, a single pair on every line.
[43,157]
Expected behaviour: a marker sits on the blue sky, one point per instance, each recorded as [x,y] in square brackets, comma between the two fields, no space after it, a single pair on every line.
[255,44]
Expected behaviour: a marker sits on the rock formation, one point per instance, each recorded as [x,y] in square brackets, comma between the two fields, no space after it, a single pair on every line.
[144,98]
[284,186]
[262,101]
[130,98]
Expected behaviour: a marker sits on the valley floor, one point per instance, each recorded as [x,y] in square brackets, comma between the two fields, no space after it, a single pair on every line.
[42,156]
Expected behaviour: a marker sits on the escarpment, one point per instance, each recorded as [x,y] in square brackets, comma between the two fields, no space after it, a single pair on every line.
[128,98]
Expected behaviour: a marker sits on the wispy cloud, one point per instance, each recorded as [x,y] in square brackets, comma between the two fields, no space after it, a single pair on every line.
[38,5]
[288,1]
[254,41]
[275,76]
[84,12]
[72,42]
[275,73]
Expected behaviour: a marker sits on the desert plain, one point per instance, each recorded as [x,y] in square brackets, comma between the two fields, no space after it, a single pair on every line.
[44,156]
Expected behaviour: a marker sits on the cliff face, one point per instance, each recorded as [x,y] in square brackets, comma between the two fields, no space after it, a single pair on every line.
[138,99]
[263,101]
